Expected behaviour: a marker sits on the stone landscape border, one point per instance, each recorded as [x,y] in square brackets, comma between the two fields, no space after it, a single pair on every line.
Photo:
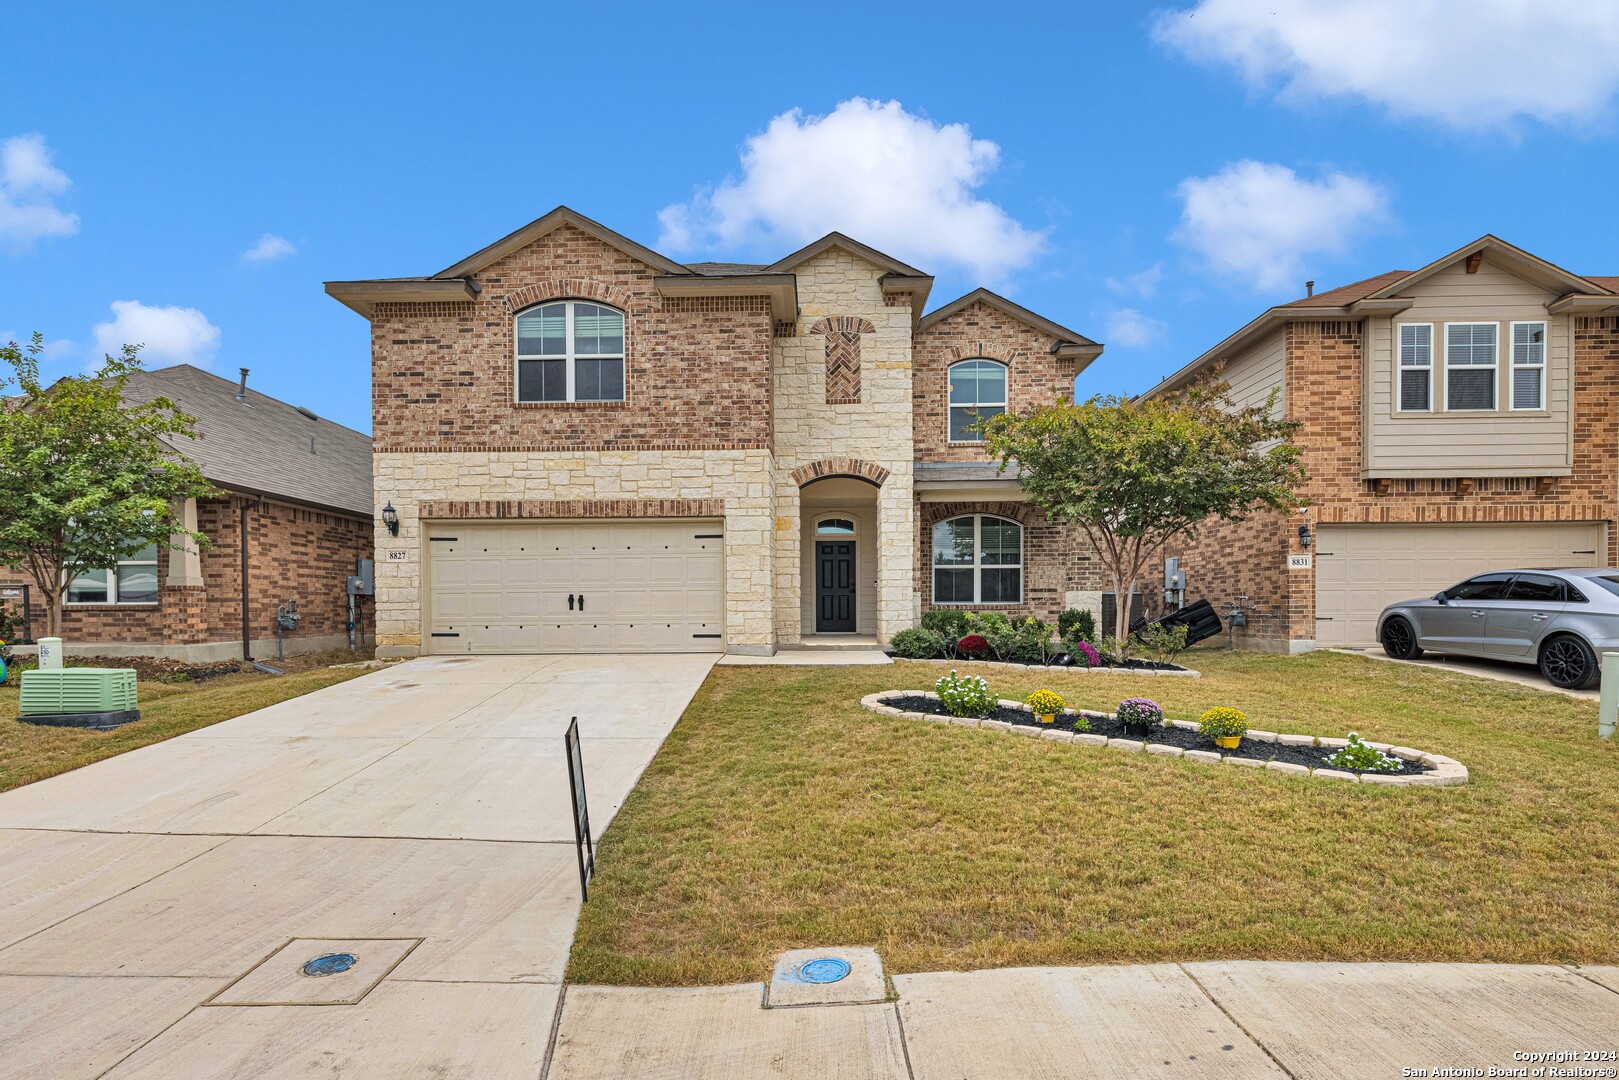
[1446,771]
[1078,669]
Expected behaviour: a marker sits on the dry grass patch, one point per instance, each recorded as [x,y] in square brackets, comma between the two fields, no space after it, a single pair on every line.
[30,752]
[781,815]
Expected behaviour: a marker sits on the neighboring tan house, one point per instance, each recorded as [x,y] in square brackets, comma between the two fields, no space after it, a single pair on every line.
[1455,419]
[301,487]
[590,446]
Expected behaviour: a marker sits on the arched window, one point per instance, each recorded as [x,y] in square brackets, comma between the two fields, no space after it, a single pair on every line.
[977,392]
[834,526]
[570,350]
[977,559]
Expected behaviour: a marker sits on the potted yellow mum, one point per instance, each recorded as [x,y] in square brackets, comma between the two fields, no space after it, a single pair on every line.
[1045,705]
[1225,726]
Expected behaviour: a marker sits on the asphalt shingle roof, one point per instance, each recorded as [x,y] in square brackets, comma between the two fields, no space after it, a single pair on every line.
[263,445]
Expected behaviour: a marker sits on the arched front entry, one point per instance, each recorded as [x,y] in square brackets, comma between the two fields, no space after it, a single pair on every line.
[838,545]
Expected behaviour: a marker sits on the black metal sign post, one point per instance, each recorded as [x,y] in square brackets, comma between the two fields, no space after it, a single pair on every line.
[581,813]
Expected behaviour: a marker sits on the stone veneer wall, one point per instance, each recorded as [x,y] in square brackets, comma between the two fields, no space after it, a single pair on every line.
[739,480]
[1324,389]
[838,285]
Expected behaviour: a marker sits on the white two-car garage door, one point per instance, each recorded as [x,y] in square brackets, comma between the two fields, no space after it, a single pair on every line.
[1360,569]
[525,587]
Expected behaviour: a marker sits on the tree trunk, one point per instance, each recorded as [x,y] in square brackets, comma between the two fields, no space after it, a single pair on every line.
[53,615]
[1121,607]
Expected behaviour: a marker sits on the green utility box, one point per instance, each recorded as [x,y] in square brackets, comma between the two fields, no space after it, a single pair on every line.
[95,698]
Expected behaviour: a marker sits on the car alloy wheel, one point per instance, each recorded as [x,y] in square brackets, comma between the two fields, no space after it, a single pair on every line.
[1397,638]
[1565,663]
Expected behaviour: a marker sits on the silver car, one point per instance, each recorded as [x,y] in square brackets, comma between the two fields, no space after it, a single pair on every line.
[1559,620]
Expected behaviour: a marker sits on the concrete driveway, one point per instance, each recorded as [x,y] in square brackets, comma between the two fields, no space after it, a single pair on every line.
[156,908]
[1481,668]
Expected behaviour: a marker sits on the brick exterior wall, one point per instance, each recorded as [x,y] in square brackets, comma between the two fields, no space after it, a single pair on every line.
[1057,559]
[1324,390]
[1034,376]
[294,553]
[696,370]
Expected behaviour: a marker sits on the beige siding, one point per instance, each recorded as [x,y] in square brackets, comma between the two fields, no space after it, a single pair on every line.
[1257,370]
[1497,443]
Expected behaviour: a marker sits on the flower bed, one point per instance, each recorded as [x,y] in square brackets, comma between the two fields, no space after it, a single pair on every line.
[1134,667]
[1298,755]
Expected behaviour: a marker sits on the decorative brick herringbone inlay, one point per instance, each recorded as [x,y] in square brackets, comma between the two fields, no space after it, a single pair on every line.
[842,356]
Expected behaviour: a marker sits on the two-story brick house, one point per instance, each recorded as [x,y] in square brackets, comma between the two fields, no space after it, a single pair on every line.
[1454,419]
[590,446]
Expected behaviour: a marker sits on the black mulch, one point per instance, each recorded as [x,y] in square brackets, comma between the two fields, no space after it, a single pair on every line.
[1314,757]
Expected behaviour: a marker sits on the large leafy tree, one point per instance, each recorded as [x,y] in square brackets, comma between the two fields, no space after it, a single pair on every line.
[86,479]
[1133,474]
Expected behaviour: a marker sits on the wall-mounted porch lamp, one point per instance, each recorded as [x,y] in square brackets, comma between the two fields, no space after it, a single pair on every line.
[1305,536]
[390,518]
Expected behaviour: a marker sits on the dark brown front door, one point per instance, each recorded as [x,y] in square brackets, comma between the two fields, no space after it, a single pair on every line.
[834,587]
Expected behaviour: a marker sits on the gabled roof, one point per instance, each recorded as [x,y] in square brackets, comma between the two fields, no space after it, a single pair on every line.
[540,226]
[1068,344]
[261,446]
[837,239]
[1530,267]
[1348,294]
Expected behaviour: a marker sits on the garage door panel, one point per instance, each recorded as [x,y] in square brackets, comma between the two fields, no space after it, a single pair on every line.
[1361,569]
[645,586]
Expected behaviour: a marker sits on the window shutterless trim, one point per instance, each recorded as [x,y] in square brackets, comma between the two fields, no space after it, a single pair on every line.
[977,565]
[1400,368]
[1004,404]
[113,599]
[568,357]
[1494,367]
[1513,367]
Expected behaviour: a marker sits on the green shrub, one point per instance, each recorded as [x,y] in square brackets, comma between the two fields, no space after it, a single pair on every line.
[917,644]
[1077,624]
[988,622]
[1032,642]
[1164,644]
[1221,722]
[964,695]
[1357,755]
[951,626]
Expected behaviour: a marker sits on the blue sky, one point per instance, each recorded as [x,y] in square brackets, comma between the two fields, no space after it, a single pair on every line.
[1150,176]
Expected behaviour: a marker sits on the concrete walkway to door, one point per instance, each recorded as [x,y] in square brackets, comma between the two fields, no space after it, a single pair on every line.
[416,819]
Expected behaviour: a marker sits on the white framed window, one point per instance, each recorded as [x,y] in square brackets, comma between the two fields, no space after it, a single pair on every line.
[1529,365]
[133,581]
[570,350]
[834,526]
[977,392]
[977,559]
[1416,367]
[1470,366]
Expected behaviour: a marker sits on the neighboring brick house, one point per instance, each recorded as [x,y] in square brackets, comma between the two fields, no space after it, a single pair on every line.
[300,484]
[593,447]
[1455,419]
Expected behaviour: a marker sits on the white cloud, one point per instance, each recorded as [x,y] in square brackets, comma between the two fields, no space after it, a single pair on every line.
[269,248]
[1466,63]
[28,185]
[1260,221]
[1130,329]
[167,335]
[1143,284]
[886,177]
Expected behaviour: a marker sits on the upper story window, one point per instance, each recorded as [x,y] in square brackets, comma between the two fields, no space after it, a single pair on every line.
[977,392]
[1470,363]
[570,350]
[977,559]
[132,581]
[1416,367]
[1528,365]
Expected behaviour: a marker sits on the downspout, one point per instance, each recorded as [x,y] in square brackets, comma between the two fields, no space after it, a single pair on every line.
[247,650]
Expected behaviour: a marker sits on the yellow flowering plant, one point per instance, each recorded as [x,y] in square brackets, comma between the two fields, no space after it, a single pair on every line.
[1223,723]
[1045,703]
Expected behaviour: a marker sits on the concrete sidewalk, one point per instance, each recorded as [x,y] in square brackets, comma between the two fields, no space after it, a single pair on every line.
[1231,1020]
[417,818]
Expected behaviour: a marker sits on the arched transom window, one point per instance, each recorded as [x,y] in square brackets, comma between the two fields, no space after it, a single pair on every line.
[570,350]
[977,392]
[977,559]
[834,526]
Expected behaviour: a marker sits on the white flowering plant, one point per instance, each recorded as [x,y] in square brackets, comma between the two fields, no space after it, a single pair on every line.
[964,695]
[1363,758]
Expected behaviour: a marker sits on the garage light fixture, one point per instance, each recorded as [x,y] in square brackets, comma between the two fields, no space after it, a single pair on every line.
[1304,536]
[390,518]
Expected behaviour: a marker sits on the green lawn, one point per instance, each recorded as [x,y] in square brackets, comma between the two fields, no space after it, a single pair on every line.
[29,752]
[779,815]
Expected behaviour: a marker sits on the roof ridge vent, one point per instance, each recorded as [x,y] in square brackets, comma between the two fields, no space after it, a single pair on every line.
[306,411]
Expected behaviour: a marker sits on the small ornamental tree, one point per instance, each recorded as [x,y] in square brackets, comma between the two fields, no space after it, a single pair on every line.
[86,480]
[1133,474]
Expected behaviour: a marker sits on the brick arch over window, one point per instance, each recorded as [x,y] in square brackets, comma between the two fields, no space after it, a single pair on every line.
[1023,513]
[820,470]
[571,288]
[842,355]
[986,350]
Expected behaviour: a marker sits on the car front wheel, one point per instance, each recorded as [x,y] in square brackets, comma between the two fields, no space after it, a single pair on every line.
[1400,638]
[1570,663]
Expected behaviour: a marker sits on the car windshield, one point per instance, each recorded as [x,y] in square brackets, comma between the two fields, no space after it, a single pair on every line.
[1609,583]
